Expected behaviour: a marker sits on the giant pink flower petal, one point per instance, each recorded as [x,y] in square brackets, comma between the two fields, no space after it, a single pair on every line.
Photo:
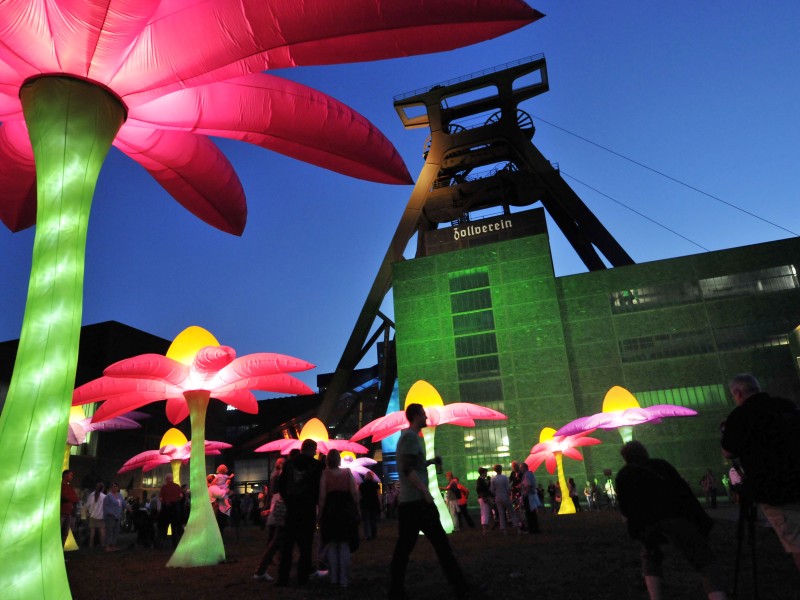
[148,366]
[287,33]
[457,413]
[252,366]
[627,417]
[286,445]
[193,170]
[283,116]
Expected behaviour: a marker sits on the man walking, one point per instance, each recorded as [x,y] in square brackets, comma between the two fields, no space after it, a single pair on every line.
[416,511]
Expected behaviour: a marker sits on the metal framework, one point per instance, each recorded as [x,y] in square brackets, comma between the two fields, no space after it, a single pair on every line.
[479,155]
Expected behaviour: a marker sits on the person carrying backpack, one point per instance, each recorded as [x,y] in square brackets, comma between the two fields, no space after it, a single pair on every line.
[763,433]
[463,513]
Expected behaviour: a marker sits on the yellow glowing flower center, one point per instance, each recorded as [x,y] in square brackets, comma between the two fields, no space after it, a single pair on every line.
[618,398]
[188,342]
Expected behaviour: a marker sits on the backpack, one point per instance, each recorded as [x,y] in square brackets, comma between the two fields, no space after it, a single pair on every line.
[456,492]
[464,492]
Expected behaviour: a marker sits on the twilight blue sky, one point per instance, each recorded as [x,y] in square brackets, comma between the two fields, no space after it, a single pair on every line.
[706,92]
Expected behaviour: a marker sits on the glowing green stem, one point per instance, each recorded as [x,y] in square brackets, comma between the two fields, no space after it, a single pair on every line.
[428,434]
[201,544]
[71,124]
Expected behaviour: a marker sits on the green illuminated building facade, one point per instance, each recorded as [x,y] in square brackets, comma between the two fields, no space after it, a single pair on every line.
[484,319]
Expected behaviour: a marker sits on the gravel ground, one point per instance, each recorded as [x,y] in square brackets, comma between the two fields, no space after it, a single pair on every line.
[587,556]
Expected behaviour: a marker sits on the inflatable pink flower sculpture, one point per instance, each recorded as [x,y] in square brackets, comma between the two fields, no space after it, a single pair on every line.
[149,460]
[550,450]
[621,411]
[195,368]
[437,413]
[155,79]
[314,429]
[457,413]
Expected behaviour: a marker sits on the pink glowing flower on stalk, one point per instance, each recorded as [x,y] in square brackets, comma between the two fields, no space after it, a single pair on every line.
[457,413]
[550,449]
[150,459]
[621,411]
[315,430]
[195,368]
[437,413]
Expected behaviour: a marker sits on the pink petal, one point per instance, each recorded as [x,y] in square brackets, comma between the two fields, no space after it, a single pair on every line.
[242,400]
[27,44]
[258,364]
[194,172]
[382,427]
[149,366]
[572,453]
[122,404]
[236,38]
[177,410]
[17,177]
[282,116]
[346,446]
[284,384]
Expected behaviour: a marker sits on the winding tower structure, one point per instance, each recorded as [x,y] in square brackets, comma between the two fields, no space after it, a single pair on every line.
[479,157]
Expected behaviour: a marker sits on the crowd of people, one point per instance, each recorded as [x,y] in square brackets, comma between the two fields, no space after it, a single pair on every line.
[306,494]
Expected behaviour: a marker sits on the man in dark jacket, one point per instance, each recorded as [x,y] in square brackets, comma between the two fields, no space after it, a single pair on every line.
[660,507]
[763,433]
[299,488]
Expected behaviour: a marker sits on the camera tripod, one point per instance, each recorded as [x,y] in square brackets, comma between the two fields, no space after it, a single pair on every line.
[746,527]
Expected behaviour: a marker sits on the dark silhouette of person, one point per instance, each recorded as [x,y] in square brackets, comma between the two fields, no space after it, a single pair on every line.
[298,485]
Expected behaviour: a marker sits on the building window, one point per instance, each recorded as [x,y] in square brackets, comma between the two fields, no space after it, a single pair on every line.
[473,322]
[486,393]
[666,345]
[654,297]
[698,397]
[774,279]
[476,345]
[478,367]
[468,279]
[470,301]
[756,334]
[485,447]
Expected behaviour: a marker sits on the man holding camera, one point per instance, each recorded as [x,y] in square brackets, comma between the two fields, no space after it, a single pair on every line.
[762,433]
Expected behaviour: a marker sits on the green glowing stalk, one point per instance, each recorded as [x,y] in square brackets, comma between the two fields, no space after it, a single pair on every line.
[72,125]
[446,520]
[201,544]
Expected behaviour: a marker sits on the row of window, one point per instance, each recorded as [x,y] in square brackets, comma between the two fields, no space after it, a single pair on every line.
[478,366]
[759,334]
[773,279]
[697,397]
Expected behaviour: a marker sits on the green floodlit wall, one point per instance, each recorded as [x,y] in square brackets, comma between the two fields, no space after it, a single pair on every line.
[493,325]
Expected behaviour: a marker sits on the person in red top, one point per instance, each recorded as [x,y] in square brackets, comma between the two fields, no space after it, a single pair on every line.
[68,499]
[170,514]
